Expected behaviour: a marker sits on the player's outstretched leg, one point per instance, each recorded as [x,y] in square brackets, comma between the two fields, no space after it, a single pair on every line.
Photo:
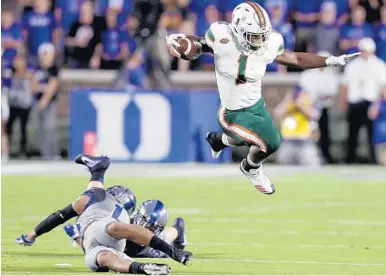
[180,241]
[252,168]
[97,167]
[117,263]
[219,141]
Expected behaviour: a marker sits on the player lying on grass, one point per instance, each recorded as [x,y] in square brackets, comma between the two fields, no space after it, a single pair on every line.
[103,217]
[242,50]
[152,215]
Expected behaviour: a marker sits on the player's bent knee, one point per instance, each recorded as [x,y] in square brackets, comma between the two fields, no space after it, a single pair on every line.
[115,230]
[103,258]
[274,144]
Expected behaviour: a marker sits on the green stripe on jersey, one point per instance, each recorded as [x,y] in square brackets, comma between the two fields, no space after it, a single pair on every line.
[242,65]
[210,34]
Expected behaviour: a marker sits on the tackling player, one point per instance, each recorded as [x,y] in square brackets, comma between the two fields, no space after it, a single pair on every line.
[242,49]
[152,214]
[103,217]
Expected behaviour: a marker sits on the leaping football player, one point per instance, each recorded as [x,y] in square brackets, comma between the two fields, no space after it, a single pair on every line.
[242,49]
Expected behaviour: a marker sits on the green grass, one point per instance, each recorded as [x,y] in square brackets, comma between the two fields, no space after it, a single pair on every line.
[314,224]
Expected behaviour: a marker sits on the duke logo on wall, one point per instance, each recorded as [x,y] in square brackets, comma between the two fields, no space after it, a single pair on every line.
[129,127]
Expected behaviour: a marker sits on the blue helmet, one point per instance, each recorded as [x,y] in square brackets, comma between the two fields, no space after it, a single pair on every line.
[124,196]
[153,215]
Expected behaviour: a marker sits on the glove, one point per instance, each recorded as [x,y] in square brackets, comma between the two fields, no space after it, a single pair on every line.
[72,230]
[181,256]
[342,60]
[172,43]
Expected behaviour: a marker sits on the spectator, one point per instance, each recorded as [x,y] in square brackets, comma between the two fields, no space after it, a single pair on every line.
[46,74]
[306,13]
[24,6]
[39,26]
[136,67]
[353,32]
[112,51]
[227,7]
[151,40]
[323,96]
[11,38]
[66,13]
[84,36]
[373,10]
[326,34]
[377,113]
[286,30]
[341,8]
[123,8]
[272,5]
[171,18]
[363,80]
[202,14]
[20,100]
[381,36]
[296,114]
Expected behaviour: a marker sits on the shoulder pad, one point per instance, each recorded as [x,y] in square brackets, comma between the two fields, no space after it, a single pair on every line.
[276,41]
[217,31]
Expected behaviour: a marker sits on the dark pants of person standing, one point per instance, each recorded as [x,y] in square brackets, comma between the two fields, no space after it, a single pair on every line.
[357,117]
[325,141]
[23,115]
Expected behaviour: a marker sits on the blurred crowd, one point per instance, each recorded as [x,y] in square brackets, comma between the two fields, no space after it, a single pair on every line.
[41,36]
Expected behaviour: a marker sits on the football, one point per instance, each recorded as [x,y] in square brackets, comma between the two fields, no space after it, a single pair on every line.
[190,48]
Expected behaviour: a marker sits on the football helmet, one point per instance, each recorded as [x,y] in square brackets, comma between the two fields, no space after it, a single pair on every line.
[153,215]
[124,196]
[251,26]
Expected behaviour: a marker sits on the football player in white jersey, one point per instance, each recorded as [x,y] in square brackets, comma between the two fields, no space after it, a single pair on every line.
[242,49]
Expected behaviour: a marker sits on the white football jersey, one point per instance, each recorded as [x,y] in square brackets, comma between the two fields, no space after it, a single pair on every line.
[239,76]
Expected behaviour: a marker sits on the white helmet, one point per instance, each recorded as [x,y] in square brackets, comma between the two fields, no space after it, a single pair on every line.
[251,26]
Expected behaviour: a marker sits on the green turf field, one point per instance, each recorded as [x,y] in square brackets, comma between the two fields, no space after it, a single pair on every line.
[314,224]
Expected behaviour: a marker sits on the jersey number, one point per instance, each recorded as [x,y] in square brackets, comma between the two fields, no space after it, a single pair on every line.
[242,66]
[117,212]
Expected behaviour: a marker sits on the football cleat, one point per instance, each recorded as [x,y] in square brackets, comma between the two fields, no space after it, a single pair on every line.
[258,178]
[22,240]
[93,163]
[180,242]
[215,145]
[156,269]
[181,256]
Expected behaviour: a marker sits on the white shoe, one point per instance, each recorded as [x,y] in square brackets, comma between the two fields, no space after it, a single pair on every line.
[258,178]
[156,269]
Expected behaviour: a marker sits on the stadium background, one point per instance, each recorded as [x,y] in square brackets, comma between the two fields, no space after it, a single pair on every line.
[152,21]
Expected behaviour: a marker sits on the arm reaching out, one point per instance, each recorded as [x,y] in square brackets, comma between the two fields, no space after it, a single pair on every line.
[307,60]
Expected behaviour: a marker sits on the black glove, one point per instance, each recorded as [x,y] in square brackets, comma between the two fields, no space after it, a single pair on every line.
[181,256]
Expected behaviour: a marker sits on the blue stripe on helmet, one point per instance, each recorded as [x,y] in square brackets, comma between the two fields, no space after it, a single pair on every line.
[156,212]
